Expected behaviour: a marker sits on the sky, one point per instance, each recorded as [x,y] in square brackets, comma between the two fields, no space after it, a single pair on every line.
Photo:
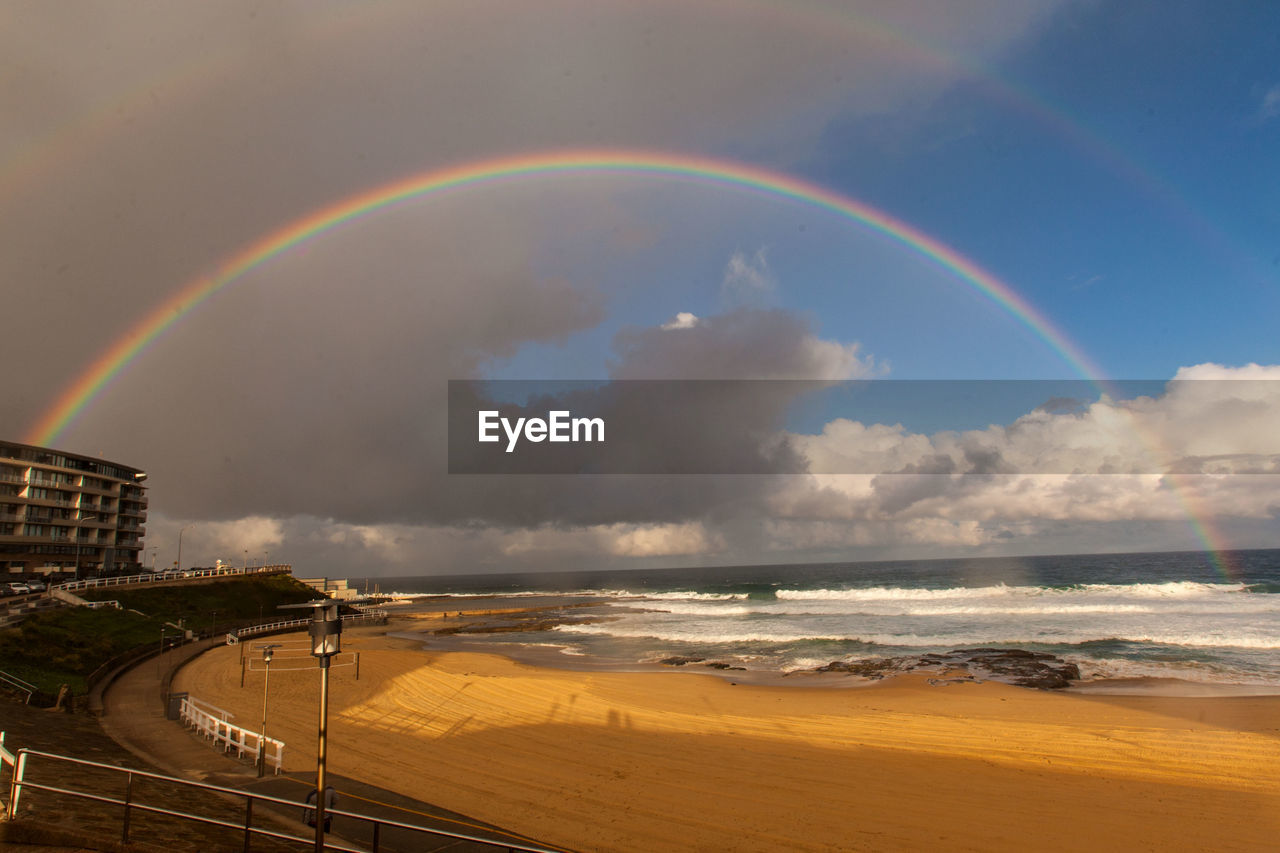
[822,191]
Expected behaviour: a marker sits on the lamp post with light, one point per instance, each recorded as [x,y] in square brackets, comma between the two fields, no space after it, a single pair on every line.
[180,532]
[266,678]
[326,634]
[80,519]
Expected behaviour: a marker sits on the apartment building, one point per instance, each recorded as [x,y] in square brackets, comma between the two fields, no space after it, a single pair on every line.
[69,515]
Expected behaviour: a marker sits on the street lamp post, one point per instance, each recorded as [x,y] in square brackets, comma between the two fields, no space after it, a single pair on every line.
[180,532]
[79,521]
[266,678]
[326,633]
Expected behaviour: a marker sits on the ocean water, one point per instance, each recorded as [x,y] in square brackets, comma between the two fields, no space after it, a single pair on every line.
[1178,615]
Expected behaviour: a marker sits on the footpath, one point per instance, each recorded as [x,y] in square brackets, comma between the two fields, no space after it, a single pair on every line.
[133,708]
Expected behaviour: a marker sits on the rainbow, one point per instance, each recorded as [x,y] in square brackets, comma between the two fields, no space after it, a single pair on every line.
[81,393]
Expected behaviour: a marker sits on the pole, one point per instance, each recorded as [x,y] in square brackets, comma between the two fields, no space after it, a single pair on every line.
[321,752]
[262,739]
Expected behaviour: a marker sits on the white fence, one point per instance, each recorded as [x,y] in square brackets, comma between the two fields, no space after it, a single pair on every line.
[213,724]
[20,788]
[7,763]
[21,686]
[157,577]
[376,615]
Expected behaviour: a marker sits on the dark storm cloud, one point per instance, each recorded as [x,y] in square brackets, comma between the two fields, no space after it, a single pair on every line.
[147,142]
[379,428]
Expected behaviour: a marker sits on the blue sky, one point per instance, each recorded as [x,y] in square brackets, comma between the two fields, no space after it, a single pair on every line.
[1117,169]
[1154,246]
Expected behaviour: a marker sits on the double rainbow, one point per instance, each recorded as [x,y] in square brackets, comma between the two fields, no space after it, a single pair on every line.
[107,366]
[81,393]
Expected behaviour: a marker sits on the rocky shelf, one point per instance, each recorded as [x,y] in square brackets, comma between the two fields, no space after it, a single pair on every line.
[1012,666]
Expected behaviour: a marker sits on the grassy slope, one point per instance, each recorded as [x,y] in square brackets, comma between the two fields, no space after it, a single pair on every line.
[64,646]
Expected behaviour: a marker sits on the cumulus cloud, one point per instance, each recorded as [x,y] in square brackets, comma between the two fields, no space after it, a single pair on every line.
[1269,107]
[300,410]
[682,320]
[748,280]
[742,344]
[1209,442]
[237,541]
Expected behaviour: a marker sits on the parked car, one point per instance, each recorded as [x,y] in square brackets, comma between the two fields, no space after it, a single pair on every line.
[36,586]
[17,588]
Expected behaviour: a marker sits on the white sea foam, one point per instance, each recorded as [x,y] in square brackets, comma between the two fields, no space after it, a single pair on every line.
[1067,634]
[1092,668]
[711,610]
[688,633]
[1141,590]
[892,593]
[696,596]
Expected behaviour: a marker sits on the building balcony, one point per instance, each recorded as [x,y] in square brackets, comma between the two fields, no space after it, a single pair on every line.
[12,478]
[48,482]
[45,501]
[35,518]
[21,538]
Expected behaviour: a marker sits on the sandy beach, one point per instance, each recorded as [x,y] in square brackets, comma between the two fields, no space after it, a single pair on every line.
[688,761]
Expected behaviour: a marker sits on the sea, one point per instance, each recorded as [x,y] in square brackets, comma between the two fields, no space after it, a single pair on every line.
[1192,616]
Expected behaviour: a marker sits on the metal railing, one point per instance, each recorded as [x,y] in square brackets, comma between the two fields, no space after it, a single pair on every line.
[186,574]
[373,615]
[19,685]
[20,785]
[232,737]
[7,762]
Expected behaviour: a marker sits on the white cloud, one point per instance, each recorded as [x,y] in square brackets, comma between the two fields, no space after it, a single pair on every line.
[827,516]
[742,344]
[1158,457]
[748,280]
[1269,108]
[682,320]
[661,540]
[617,540]
[238,541]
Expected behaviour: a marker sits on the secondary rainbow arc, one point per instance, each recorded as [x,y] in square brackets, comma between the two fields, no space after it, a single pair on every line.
[81,393]
[112,361]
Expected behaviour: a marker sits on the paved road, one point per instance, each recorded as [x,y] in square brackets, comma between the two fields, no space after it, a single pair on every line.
[134,716]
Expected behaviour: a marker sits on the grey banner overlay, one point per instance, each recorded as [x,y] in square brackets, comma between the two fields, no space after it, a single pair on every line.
[967,427]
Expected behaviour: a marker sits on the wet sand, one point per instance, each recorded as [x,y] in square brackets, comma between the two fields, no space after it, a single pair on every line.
[679,760]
